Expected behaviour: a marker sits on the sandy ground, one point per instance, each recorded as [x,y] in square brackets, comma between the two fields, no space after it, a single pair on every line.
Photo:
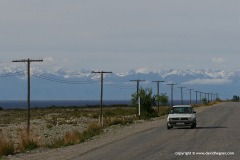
[110,134]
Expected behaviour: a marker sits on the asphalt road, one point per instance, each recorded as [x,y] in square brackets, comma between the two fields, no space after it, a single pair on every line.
[217,132]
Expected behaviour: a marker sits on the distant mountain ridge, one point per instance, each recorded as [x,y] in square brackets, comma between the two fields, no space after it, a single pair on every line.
[83,85]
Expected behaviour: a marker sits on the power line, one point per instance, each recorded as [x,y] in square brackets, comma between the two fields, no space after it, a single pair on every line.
[119,86]
[64,81]
[11,74]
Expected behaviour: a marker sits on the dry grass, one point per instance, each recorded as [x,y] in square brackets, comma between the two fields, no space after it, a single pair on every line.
[25,142]
[76,137]
[52,115]
[55,117]
[207,104]
[6,146]
[109,121]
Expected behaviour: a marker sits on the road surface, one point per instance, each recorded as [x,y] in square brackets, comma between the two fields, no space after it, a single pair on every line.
[217,136]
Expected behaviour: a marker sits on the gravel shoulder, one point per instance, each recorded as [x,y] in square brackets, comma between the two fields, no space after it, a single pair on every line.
[111,134]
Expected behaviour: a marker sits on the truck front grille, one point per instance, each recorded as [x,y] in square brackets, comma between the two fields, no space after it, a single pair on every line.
[179,119]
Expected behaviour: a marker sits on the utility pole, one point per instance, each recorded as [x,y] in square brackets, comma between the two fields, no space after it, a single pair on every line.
[101,97]
[215,97]
[208,97]
[138,81]
[204,95]
[172,84]
[29,89]
[200,97]
[158,92]
[190,91]
[181,93]
[196,96]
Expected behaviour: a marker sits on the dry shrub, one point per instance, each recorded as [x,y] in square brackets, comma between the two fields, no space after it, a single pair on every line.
[73,138]
[26,143]
[51,119]
[76,137]
[6,146]
[127,120]
[56,143]
[109,121]
[92,130]
[70,138]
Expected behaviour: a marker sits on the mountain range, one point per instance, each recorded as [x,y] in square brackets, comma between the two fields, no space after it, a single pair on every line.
[82,84]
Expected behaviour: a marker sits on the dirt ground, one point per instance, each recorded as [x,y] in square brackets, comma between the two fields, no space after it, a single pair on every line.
[111,134]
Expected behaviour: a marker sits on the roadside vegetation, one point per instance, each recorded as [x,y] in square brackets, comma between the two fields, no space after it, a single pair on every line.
[147,101]
[56,117]
[71,116]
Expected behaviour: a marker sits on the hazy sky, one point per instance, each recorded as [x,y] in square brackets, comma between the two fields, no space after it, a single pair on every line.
[120,35]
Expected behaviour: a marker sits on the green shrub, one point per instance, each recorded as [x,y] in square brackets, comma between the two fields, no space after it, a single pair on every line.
[204,101]
[147,101]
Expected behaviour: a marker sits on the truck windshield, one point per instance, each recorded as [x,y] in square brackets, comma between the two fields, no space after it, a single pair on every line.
[181,110]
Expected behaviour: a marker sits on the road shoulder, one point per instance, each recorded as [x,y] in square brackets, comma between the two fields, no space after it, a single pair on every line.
[110,135]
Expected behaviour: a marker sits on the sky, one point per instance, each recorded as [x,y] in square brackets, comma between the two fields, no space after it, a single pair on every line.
[121,35]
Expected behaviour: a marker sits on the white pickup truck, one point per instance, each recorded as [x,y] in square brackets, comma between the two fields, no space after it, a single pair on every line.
[181,115]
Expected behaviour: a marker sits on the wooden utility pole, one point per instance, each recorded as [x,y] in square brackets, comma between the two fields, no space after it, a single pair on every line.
[158,92]
[208,97]
[201,97]
[190,91]
[196,97]
[138,81]
[28,61]
[181,93]
[101,97]
[172,84]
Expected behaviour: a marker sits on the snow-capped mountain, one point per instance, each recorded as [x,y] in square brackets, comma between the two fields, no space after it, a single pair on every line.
[85,85]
